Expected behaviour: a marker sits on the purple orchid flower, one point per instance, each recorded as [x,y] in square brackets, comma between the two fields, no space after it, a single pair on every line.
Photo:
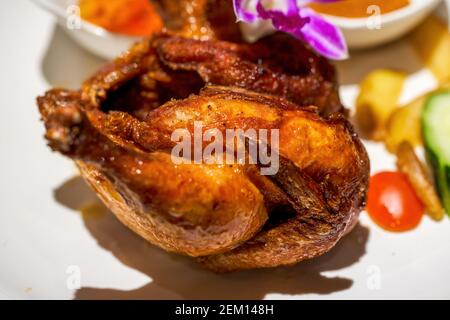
[300,21]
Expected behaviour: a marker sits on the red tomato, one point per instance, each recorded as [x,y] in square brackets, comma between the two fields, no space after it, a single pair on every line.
[392,202]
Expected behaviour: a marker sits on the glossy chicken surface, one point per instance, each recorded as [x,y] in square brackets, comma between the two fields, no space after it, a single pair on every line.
[201,19]
[118,130]
[167,67]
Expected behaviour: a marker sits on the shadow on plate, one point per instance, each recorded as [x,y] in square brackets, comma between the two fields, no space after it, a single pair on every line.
[177,277]
[66,64]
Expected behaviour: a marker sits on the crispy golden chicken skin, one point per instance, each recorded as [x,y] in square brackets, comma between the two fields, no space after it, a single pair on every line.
[201,19]
[167,67]
[118,129]
[231,217]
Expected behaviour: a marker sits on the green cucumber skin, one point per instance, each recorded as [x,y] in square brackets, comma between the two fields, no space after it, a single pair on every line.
[441,174]
[446,197]
[439,166]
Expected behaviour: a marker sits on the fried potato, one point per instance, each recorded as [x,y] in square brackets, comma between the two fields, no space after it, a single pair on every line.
[431,40]
[378,97]
[418,176]
[404,125]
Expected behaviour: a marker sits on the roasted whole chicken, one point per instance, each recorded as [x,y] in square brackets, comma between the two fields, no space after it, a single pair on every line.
[118,129]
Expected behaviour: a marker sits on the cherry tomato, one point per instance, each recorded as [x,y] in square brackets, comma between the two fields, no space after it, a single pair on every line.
[392,202]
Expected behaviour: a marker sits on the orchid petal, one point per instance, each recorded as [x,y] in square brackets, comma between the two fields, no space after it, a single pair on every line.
[322,36]
[299,21]
[243,13]
[288,21]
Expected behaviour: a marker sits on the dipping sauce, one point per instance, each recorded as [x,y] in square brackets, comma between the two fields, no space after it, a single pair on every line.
[129,17]
[357,8]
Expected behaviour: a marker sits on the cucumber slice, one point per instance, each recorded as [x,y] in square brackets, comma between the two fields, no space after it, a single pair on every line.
[436,134]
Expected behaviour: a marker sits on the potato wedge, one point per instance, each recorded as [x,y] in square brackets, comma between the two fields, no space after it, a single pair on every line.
[431,40]
[404,125]
[378,97]
[415,170]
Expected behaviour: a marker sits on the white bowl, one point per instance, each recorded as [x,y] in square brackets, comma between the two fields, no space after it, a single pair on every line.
[93,38]
[392,25]
[109,45]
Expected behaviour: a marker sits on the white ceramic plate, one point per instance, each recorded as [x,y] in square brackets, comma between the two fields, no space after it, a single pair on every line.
[45,243]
